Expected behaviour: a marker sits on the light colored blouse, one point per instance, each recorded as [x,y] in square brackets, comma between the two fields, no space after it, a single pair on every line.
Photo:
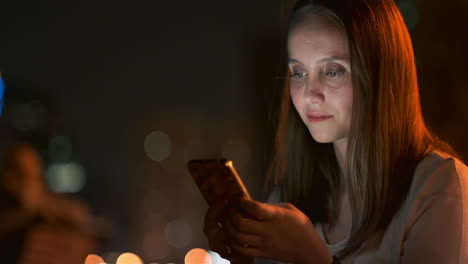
[430,227]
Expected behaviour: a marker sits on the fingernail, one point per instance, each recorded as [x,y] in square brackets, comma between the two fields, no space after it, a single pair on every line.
[220,225]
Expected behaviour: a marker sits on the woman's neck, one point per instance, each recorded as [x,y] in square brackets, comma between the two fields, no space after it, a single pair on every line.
[340,147]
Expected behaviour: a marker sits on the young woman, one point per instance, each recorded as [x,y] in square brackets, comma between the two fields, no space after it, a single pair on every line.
[363,179]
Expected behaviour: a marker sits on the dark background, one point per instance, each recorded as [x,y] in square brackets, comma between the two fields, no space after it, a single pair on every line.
[105,74]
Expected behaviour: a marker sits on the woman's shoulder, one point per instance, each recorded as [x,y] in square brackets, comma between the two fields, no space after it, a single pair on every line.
[436,207]
[440,173]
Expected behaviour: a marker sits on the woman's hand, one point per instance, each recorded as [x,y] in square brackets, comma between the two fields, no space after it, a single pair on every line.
[215,219]
[279,232]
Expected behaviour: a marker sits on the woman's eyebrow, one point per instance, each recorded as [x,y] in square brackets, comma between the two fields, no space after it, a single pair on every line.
[333,58]
[290,60]
[326,59]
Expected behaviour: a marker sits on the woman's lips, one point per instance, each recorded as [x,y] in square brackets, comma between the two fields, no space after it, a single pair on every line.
[318,117]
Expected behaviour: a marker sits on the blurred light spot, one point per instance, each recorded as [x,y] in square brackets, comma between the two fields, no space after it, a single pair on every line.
[196,149]
[153,222]
[178,234]
[238,151]
[197,256]
[158,146]
[28,116]
[155,201]
[60,149]
[155,245]
[110,257]
[410,13]
[93,259]
[2,92]
[217,259]
[129,258]
[65,177]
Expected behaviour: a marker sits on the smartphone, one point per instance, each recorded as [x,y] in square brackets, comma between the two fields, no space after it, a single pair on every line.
[217,179]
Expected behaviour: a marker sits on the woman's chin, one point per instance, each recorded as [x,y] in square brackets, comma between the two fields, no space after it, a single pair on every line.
[322,138]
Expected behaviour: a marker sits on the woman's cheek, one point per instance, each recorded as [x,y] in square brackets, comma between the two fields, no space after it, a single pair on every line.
[296,100]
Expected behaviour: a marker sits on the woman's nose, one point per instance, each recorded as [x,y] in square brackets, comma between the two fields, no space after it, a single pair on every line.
[313,93]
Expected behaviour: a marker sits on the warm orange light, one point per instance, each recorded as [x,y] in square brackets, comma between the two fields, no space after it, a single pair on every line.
[129,258]
[94,259]
[198,256]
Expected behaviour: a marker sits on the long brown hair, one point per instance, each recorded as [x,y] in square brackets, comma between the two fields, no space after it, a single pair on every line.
[388,136]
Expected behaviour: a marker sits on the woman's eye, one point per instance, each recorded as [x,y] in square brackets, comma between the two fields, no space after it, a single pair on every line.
[334,73]
[299,74]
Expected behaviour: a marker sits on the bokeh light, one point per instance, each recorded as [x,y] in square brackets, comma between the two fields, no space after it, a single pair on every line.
[197,256]
[158,146]
[154,222]
[129,258]
[196,149]
[2,92]
[65,177]
[155,201]
[217,259]
[93,259]
[178,233]
[238,151]
[410,13]
[155,246]
[60,149]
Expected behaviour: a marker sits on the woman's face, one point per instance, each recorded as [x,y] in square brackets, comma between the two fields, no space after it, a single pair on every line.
[321,86]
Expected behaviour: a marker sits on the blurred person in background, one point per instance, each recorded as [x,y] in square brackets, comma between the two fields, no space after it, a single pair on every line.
[26,202]
[26,196]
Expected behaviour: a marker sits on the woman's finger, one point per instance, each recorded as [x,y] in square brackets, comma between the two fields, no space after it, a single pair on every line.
[247,251]
[213,218]
[257,210]
[247,240]
[245,225]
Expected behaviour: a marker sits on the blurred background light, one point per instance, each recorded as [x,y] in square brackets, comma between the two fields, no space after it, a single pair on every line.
[2,92]
[60,149]
[197,149]
[178,233]
[129,258]
[217,259]
[65,177]
[155,202]
[158,146]
[410,13]
[155,246]
[197,256]
[93,259]
[238,151]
